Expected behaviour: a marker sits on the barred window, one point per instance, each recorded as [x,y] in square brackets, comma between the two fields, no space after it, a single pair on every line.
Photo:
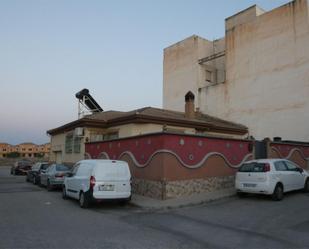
[77,143]
[68,143]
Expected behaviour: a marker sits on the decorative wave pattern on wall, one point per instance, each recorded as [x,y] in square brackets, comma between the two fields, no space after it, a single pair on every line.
[292,151]
[104,154]
[195,166]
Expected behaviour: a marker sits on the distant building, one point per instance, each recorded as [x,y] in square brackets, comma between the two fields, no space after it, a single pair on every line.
[257,75]
[25,150]
[68,141]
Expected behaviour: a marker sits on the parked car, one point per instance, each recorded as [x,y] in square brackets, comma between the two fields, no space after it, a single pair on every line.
[34,175]
[96,180]
[271,177]
[21,167]
[53,176]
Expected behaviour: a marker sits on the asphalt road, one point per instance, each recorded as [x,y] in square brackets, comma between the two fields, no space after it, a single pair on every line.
[31,217]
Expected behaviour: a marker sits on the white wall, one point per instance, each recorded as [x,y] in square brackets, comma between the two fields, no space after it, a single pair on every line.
[267,74]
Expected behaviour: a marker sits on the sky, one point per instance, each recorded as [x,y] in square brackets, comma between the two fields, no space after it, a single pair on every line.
[51,49]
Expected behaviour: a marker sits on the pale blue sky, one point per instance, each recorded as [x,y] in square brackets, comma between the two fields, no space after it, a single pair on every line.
[51,49]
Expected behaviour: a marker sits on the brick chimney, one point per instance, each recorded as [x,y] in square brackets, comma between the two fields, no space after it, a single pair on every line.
[189,106]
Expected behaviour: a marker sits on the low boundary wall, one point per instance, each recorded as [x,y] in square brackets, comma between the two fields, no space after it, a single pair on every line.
[171,165]
[165,165]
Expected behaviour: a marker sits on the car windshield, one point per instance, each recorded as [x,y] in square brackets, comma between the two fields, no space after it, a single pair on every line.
[252,167]
[44,166]
[61,167]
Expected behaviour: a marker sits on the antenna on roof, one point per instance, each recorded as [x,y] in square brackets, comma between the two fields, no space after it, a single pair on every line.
[86,103]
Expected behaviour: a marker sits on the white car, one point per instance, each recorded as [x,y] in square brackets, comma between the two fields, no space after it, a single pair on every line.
[95,180]
[270,177]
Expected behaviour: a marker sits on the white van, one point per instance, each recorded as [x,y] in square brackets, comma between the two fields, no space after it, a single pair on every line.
[95,180]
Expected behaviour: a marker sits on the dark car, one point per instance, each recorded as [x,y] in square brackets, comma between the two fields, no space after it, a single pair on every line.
[34,175]
[21,167]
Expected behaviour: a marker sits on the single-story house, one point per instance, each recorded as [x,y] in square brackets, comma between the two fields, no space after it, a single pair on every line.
[68,141]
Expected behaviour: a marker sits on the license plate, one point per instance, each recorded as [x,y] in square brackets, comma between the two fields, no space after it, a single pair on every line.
[249,185]
[106,187]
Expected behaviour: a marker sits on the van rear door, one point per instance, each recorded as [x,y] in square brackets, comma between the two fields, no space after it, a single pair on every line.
[112,178]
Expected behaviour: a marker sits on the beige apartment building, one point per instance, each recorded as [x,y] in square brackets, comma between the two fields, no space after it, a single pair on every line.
[257,75]
[28,150]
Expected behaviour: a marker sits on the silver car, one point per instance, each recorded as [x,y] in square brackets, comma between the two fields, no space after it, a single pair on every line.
[54,175]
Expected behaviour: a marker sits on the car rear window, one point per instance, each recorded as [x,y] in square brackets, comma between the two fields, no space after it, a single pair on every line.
[252,167]
[61,167]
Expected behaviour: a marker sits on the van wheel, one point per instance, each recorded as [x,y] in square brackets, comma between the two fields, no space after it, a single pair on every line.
[278,193]
[64,193]
[83,200]
[306,187]
[124,202]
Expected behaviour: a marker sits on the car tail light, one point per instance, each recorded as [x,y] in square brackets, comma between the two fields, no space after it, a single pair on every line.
[92,182]
[266,167]
[59,175]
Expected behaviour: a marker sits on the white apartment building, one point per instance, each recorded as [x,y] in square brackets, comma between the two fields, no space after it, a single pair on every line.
[257,75]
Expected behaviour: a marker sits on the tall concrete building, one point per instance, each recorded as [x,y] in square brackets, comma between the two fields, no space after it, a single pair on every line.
[257,75]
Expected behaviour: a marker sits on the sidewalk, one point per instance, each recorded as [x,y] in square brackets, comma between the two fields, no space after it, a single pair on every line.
[150,203]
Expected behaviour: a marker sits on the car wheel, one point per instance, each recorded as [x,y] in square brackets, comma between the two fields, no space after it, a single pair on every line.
[49,186]
[34,180]
[83,200]
[27,179]
[241,194]
[278,193]
[64,193]
[306,187]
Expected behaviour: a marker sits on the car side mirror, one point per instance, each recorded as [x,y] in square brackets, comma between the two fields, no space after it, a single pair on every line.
[70,174]
[301,170]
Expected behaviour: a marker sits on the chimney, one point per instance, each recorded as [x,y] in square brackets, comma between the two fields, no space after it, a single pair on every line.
[189,106]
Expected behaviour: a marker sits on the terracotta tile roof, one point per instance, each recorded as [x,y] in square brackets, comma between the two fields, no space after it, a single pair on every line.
[164,114]
[153,115]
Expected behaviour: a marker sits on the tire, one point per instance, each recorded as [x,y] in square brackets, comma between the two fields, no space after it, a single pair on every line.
[124,202]
[27,179]
[34,181]
[49,186]
[241,194]
[278,193]
[83,200]
[306,187]
[64,194]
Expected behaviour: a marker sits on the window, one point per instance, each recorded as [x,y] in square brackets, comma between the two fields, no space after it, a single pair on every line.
[62,167]
[280,166]
[111,136]
[291,166]
[75,168]
[68,143]
[77,142]
[208,75]
[102,137]
[252,167]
